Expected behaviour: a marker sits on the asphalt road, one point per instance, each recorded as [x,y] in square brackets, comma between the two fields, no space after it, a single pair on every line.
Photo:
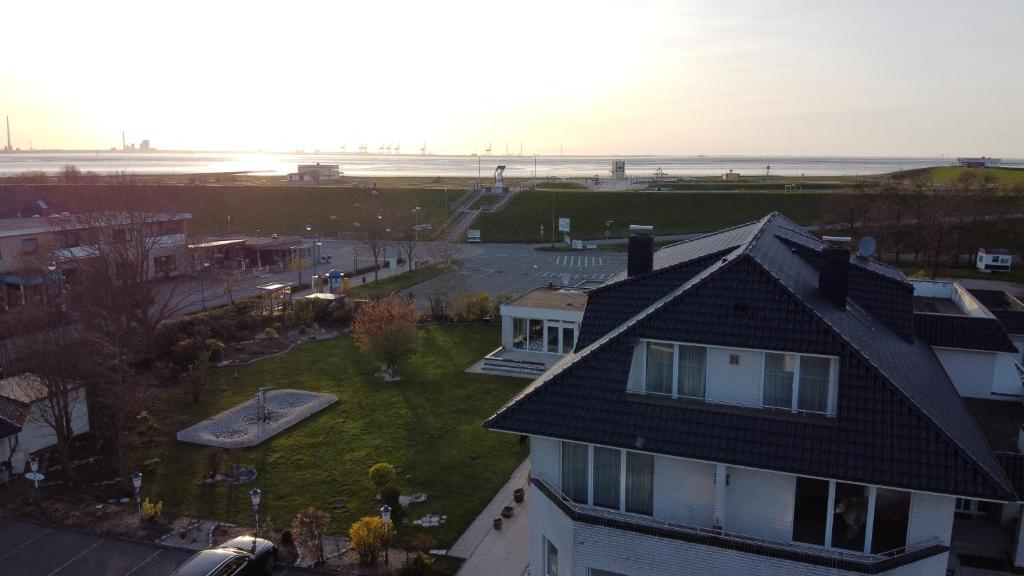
[30,550]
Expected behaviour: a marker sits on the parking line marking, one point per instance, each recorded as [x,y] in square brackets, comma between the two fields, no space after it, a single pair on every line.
[83,553]
[27,542]
[143,563]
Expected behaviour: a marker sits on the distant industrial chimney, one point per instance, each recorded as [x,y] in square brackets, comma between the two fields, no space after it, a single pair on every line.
[834,276]
[9,148]
[641,250]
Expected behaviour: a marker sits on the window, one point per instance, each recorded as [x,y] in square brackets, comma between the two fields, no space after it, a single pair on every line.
[779,370]
[231,567]
[734,359]
[575,465]
[693,362]
[849,523]
[639,483]
[119,234]
[164,264]
[797,382]
[839,515]
[29,246]
[607,475]
[815,373]
[550,559]
[892,517]
[810,514]
[536,335]
[519,333]
[553,333]
[660,360]
[568,339]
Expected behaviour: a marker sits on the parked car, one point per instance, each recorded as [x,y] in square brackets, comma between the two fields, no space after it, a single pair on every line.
[242,556]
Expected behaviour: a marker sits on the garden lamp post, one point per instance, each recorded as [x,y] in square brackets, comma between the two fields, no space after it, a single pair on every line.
[229,224]
[202,281]
[385,517]
[137,484]
[254,495]
[34,475]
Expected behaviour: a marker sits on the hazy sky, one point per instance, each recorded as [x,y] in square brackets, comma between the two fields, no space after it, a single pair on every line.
[717,77]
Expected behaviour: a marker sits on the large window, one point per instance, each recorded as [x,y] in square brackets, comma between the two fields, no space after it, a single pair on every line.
[639,483]
[660,361]
[575,466]
[519,333]
[839,515]
[607,476]
[693,363]
[536,335]
[676,370]
[810,514]
[797,382]
[599,476]
[892,518]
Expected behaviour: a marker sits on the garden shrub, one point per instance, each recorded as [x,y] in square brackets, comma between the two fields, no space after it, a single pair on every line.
[382,474]
[390,495]
[286,537]
[270,333]
[471,307]
[366,537]
[308,530]
[151,510]
[418,565]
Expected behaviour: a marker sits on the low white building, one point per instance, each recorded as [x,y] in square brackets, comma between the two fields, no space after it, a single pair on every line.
[23,418]
[996,260]
[316,173]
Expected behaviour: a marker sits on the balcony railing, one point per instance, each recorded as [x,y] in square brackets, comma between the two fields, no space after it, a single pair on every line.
[787,550]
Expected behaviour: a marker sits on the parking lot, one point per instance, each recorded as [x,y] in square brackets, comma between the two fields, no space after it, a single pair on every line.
[30,550]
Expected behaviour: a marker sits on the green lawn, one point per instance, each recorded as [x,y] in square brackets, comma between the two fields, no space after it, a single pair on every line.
[668,212]
[393,284]
[950,174]
[428,426]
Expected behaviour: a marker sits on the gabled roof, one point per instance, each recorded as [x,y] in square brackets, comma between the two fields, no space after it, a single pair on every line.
[13,415]
[900,421]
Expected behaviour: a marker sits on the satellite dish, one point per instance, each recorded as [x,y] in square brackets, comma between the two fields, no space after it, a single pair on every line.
[866,247]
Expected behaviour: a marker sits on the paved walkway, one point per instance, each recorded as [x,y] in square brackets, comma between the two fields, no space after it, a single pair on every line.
[28,549]
[505,552]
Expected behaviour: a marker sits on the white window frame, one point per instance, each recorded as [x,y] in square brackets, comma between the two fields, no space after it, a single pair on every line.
[548,545]
[869,524]
[590,477]
[794,401]
[638,382]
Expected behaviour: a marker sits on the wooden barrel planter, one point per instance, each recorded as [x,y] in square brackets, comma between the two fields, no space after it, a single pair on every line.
[507,512]
[497,523]
[519,495]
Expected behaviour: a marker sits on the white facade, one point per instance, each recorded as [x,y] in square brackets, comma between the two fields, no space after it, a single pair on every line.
[982,374]
[757,506]
[38,435]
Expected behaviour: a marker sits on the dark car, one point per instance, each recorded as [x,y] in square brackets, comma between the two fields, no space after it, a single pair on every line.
[242,556]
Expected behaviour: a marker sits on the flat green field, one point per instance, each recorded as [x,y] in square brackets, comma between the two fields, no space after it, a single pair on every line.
[949,174]
[428,426]
[668,212]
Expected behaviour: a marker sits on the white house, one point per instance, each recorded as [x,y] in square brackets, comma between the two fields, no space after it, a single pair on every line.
[316,173]
[996,260]
[759,401]
[537,329]
[23,418]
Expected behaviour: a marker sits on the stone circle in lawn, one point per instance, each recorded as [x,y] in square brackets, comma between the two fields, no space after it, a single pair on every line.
[238,427]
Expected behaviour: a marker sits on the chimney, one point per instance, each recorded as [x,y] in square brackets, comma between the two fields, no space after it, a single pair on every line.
[641,250]
[834,275]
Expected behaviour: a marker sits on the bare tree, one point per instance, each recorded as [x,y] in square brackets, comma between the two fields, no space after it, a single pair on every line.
[443,252]
[407,230]
[372,224]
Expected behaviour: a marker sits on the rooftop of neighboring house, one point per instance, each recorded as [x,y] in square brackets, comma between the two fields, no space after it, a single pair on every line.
[56,222]
[26,388]
[552,298]
[13,415]
[770,285]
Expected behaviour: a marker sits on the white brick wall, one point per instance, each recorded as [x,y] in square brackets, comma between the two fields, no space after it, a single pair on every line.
[684,491]
[760,503]
[930,515]
[734,384]
[545,458]
[970,371]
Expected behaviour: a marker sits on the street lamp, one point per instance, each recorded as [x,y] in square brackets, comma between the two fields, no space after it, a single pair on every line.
[229,224]
[202,281]
[259,261]
[137,483]
[254,495]
[385,517]
[316,247]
